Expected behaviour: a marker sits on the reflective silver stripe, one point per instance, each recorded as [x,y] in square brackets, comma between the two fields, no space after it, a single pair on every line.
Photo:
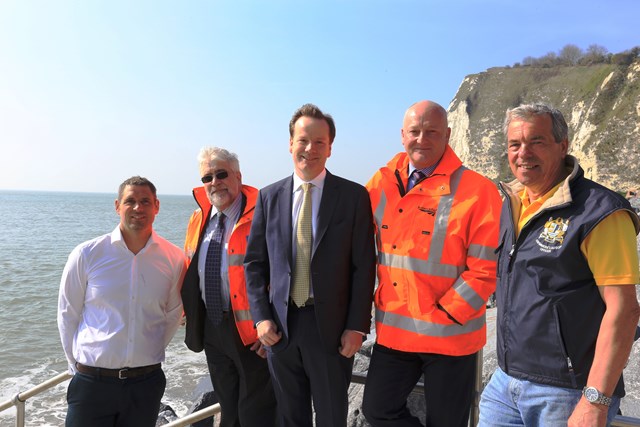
[433,265]
[235,260]
[379,213]
[242,315]
[468,294]
[482,252]
[429,329]
[419,265]
[439,234]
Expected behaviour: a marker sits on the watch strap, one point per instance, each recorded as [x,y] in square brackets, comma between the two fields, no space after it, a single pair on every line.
[593,395]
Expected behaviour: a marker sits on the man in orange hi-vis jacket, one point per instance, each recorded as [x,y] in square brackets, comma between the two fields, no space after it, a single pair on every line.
[437,231]
[214,293]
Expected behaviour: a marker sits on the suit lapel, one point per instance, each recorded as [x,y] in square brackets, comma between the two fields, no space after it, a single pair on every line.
[328,203]
[203,232]
[285,203]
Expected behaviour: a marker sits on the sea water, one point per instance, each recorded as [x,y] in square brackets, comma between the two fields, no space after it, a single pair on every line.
[38,230]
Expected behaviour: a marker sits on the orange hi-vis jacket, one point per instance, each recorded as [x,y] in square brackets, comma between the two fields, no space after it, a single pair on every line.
[236,250]
[436,256]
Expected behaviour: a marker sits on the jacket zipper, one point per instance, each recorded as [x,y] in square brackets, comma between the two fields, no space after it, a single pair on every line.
[512,251]
[563,349]
[505,330]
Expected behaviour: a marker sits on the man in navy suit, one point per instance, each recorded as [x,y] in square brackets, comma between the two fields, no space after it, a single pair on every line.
[311,340]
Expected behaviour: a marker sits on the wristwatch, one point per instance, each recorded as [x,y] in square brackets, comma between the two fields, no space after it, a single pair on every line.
[593,395]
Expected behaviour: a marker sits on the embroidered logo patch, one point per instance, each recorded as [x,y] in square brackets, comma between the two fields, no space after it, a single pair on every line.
[430,211]
[552,236]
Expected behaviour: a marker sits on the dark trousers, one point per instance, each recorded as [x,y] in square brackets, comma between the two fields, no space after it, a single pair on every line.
[98,401]
[448,384]
[305,371]
[240,377]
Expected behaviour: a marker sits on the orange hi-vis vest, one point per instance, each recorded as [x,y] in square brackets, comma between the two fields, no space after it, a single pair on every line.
[236,250]
[436,256]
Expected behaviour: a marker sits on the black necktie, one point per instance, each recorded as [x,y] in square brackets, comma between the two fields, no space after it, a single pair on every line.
[212,277]
[415,177]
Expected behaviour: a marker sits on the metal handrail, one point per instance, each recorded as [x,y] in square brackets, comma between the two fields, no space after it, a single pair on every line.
[207,412]
[474,413]
[622,421]
[20,399]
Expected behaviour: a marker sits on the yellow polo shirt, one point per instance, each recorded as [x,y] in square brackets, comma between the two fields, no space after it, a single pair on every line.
[610,249]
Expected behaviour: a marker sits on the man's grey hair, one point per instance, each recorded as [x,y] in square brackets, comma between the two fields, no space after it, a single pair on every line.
[525,112]
[208,154]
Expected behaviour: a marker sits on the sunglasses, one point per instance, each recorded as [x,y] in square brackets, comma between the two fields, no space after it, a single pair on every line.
[219,175]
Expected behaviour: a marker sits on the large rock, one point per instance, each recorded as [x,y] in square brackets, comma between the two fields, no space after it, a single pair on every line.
[165,415]
[415,402]
[204,397]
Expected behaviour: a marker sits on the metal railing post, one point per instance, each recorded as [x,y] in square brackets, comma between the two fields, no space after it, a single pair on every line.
[207,412]
[474,413]
[20,410]
[20,399]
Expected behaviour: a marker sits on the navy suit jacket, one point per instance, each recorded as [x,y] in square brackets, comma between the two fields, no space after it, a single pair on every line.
[342,259]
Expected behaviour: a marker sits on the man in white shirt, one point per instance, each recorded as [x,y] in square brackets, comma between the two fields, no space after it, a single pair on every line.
[119,306]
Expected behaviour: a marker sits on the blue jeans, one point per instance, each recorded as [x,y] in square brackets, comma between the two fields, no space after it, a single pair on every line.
[510,402]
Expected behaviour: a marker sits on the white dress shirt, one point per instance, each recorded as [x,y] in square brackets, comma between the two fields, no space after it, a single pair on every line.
[298,196]
[117,309]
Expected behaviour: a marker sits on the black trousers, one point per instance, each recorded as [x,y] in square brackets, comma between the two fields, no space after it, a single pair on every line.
[240,378]
[304,372]
[99,401]
[448,382]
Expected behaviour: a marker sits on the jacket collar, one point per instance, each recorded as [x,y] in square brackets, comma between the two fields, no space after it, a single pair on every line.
[249,200]
[448,164]
[562,195]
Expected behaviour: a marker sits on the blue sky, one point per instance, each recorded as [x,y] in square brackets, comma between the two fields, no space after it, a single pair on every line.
[92,92]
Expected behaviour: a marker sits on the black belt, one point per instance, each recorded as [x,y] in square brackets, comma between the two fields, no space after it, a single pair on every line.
[308,303]
[122,373]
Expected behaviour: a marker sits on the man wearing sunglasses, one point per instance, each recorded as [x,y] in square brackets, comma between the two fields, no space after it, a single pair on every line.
[214,293]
